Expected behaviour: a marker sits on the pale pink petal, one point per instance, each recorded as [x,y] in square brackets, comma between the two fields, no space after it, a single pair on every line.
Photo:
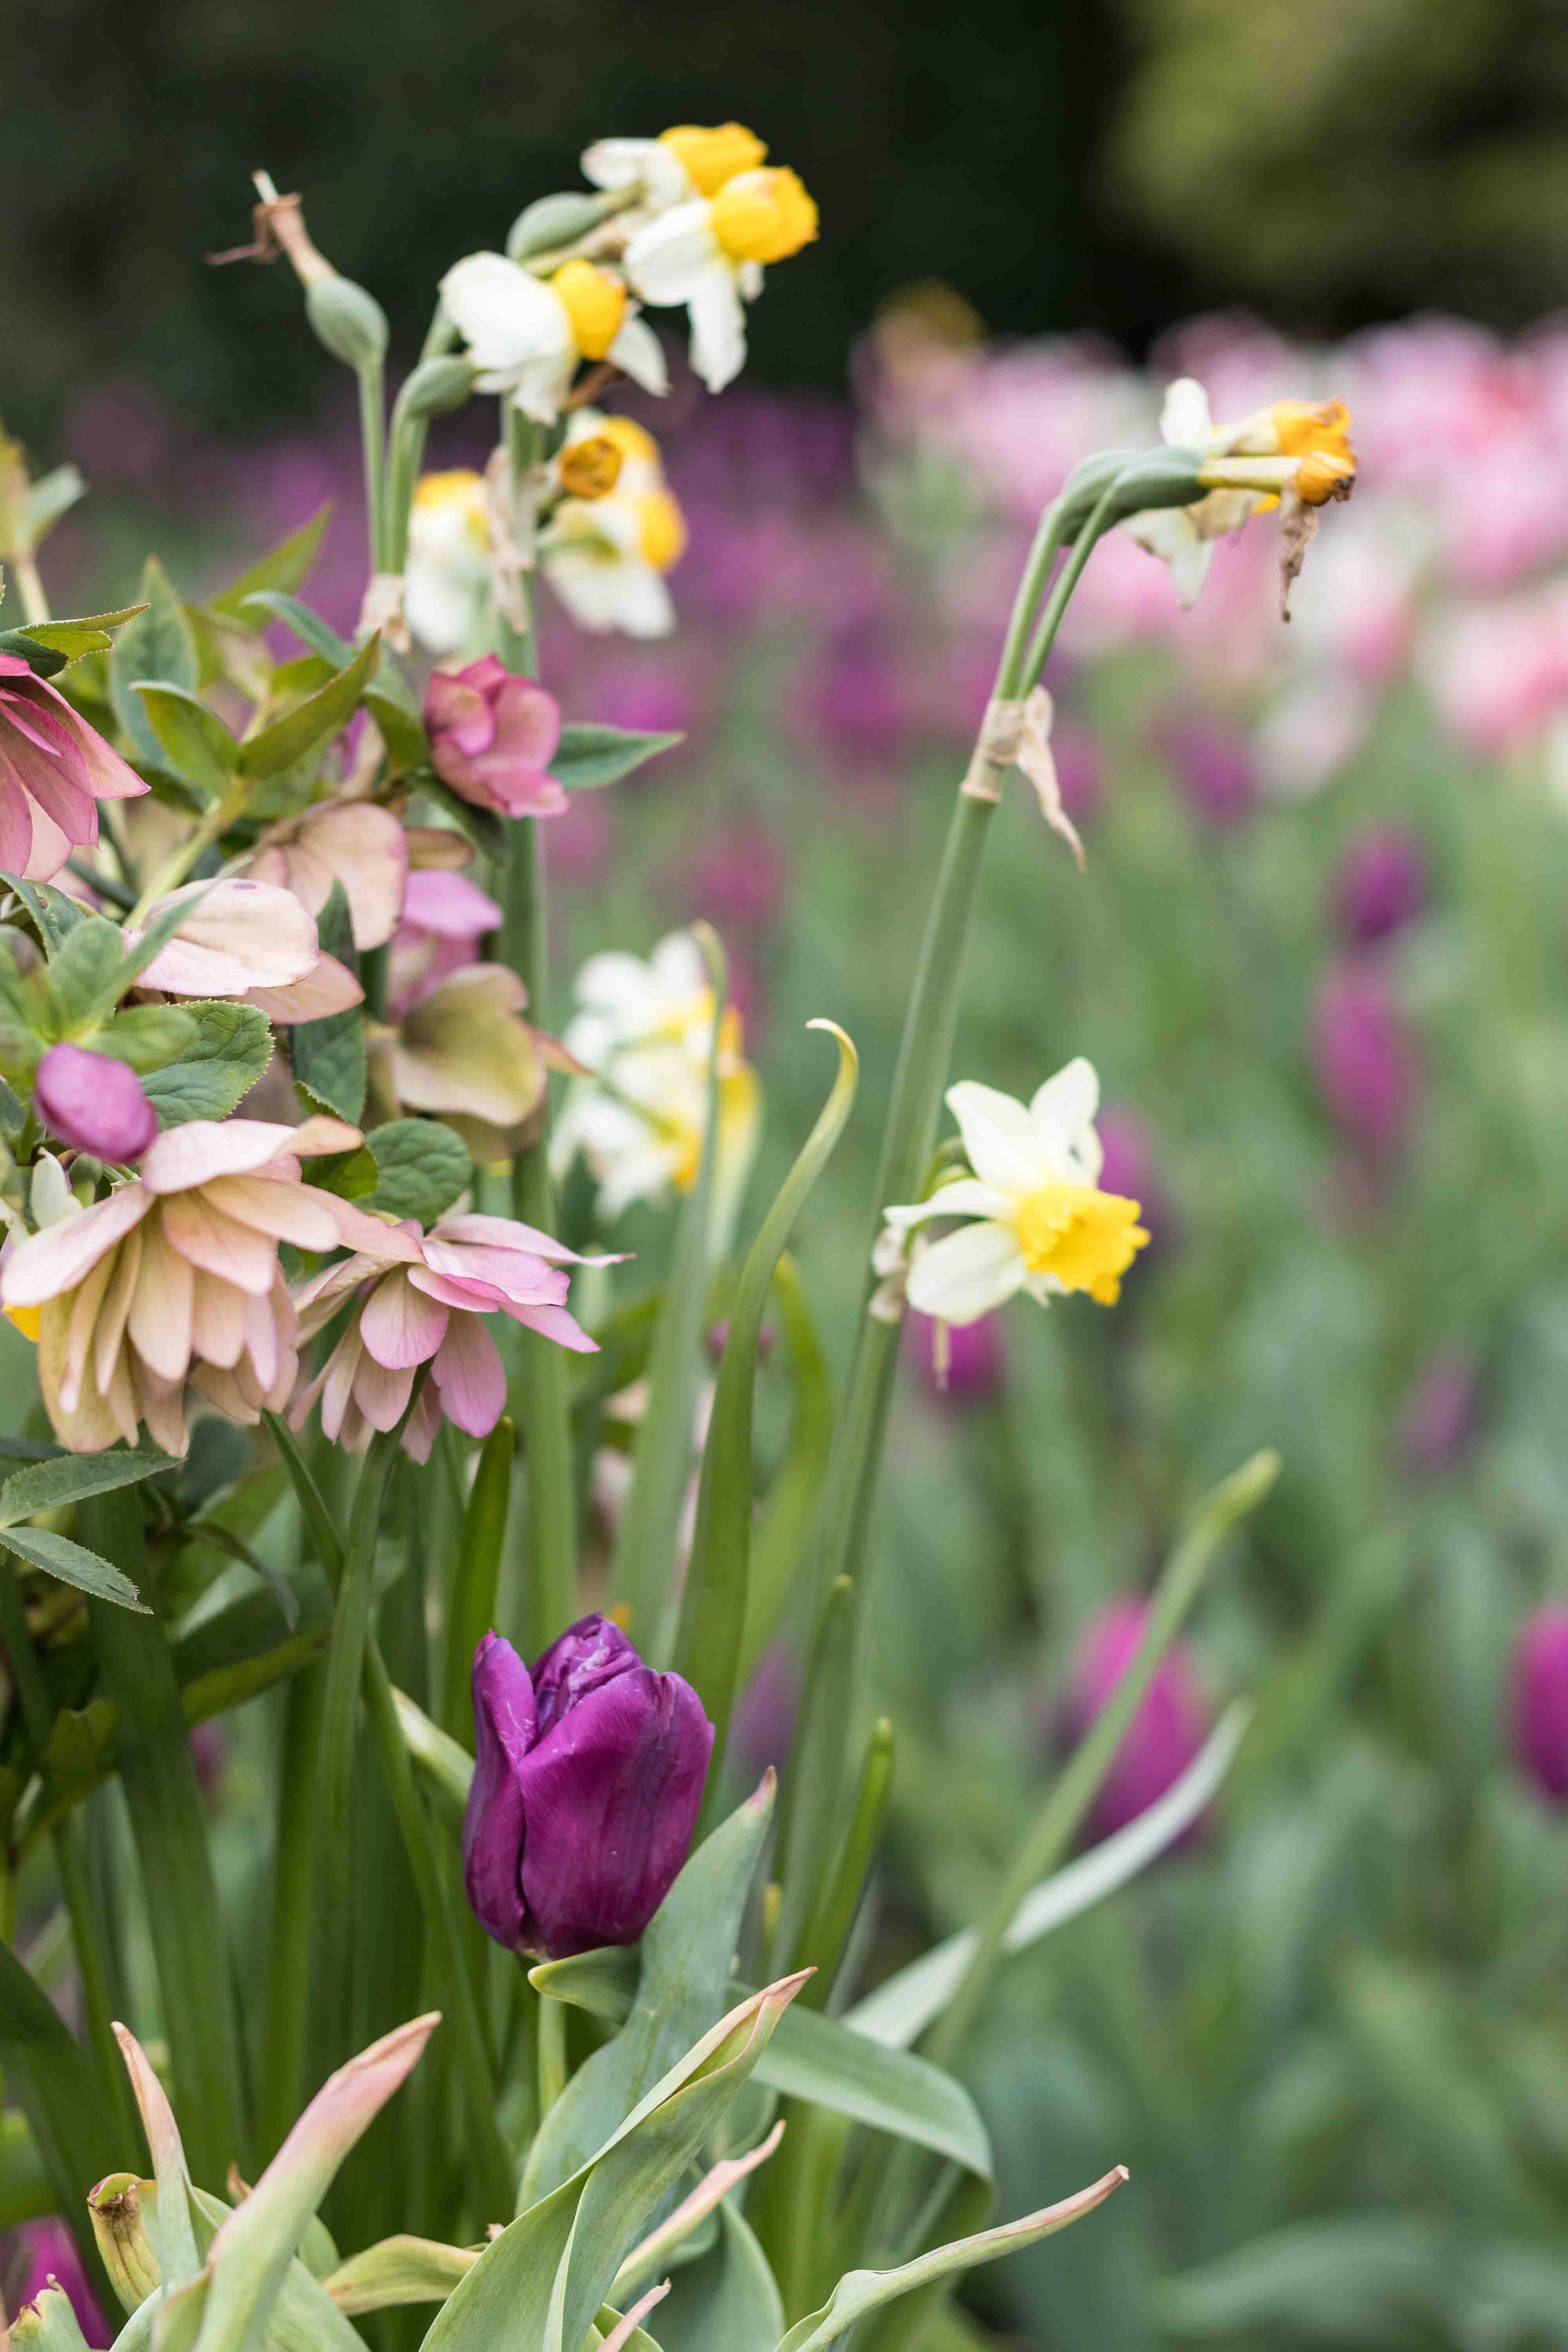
[111,1316]
[509,1234]
[556,1323]
[300,1410]
[449,905]
[329,987]
[326,1289]
[468,1373]
[50,845]
[164,1415]
[182,968]
[207,1238]
[380,1393]
[299,1213]
[44,1265]
[424,1422]
[516,1273]
[206,1148]
[219,1320]
[160,1322]
[321,1134]
[233,1395]
[363,847]
[471,1298]
[263,1337]
[360,1230]
[400,1325]
[264,931]
[338,1386]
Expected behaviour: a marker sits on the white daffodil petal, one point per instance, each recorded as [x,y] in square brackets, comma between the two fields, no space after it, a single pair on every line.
[717,327]
[668,256]
[999,1137]
[968,1198]
[676,964]
[505,316]
[602,595]
[1063,1111]
[749,277]
[1170,533]
[542,384]
[637,352]
[623,163]
[967,1274]
[1184,416]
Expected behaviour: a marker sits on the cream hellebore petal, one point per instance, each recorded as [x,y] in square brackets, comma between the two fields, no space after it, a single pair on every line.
[350,842]
[517,330]
[253,941]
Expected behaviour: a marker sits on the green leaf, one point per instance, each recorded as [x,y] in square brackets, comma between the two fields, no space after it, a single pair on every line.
[685,1951]
[588,756]
[472,1588]
[83,970]
[788,1517]
[284,567]
[51,496]
[58,2088]
[88,635]
[713,1607]
[44,1485]
[387,697]
[402,731]
[146,1037]
[48,2324]
[232,1047]
[396,2271]
[192,741]
[307,626]
[312,725]
[73,1563]
[1356,2279]
[328,1056]
[421,1168]
[158,644]
[54,914]
[43,661]
[727,2301]
[861,2292]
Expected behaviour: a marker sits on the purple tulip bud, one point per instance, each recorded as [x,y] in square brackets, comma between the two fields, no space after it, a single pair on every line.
[1380,885]
[588,1776]
[94,1104]
[49,2252]
[1132,1169]
[1440,1413]
[960,1363]
[1538,1702]
[1215,770]
[1165,1734]
[1364,1060]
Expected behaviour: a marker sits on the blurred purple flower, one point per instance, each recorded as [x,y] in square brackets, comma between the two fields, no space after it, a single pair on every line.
[1439,1415]
[959,1363]
[1381,884]
[120,432]
[854,701]
[50,2254]
[588,1776]
[1132,1169]
[740,878]
[1165,1734]
[762,1728]
[1364,1061]
[1538,1701]
[646,698]
[1215,770]
[209,1754]
[1078,771]
[94,1103]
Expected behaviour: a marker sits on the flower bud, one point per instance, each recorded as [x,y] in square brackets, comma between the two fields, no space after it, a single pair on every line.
[351,322]
[554,221]
[94,1104]
[119,2225]
[1380,885]
[591,469]
[588,1776]
[437,386]
[1166,1732]
[1538,1702]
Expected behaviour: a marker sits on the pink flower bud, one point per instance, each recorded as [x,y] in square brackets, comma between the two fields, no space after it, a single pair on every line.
[94,1104]
[1165,1734]
[1364,1060]
[1381,884]
[493,737]
[1538,1702]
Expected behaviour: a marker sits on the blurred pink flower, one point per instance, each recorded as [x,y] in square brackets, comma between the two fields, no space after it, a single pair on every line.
[1538,1701]
[50,2257]
[54,771]
[445,917]
[1364,1060]
[93,1103]
[1381,884]
[1499,672]
[762,1728]
[740,879]
[1168,1729]
[1130,1169]
[1215,770]
[350,842]
[1438,1418]
[492,738]
[958,1364]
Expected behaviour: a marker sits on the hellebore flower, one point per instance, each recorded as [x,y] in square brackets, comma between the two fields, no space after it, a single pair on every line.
[252,942]
[1041,1225]
[445,917]
[493,737]
[54,771]
[175,1278]
[1381,884]
[447,582]
[93,1103]
[1168,1729]
[709,254]
[606,557]
[588,1776]
[1538,1702]
[526,335]
[52,2259]
[425,1297]
[462,1050]
[350,842]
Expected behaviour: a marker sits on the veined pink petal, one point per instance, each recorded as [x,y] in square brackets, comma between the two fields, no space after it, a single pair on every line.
[516,1273]
[354,843]
[51,847]
[44,1265]
[220,1317]
[457,708]
[338,1386]
[556,1323]
[449,905]
[159,1325]
[329,987]
[206,1148]
[183,968]
[470,1297]
[15,820]
[400,1325]
[265,932]
[509,1233]
[299,1213]
[64,798]
[424,1422]
[468,1372]
[381,1393]
[528,723]
[328,1288]
[207,1238]
[319,1134]
[373,1238]
[109,776]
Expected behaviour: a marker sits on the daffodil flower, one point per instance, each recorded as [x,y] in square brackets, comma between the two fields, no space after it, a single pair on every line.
[688,161]
[526,335]
[448,583]
[1295,455]
[1035,1219]
[606,557]
[710,254]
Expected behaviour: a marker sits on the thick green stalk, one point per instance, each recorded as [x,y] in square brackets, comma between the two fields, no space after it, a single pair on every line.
[372,432]
[471,1591]
[822,1945]
[289,1957]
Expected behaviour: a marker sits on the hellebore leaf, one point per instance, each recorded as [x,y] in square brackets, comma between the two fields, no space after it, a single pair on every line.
[231,1049]
[590,755]
[192,740]
[685,1951]
[43,1485]
[83,970]
[158,644]
[328,1056]
[146,1037]
[421,1168]
[73,1563]
[310,726]
[89,633]
[285,567]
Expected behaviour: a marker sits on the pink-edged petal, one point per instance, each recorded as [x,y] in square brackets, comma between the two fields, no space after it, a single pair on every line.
[265,930]
[377,1242]
[299,1213]
[449,905]
[331,987]
[469,1376]
[220,1315]
[382,1393]
[338,1386]
[556,1323]
[511,1233]
[268,1324]
[205,1237]
[424,1425]
[15,820]
[319,1136]
[108,777]
[528,723]
[457,708]
[204,1148]
[516,1273]
[363,847]
[109,1327]
[160,1323]
[470,1297]
[401,1326]
[51,847]
[44,1265]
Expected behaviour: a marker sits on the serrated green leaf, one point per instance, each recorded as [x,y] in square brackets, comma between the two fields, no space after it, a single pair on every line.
[91,634]
[158,644]
[590,755]
[73,1563]
[231,1050]
[328,1056]
[83,971]
[421,1168]
[192,740]
[43,661]
[146,1037]
[285,567]
[313,723]
[55,915]
[44,1485]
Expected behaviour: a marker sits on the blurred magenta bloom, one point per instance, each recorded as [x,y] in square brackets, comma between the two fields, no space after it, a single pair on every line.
[54,771]
[1381,884]
[1078,771]
[52,2259]
[1440,1414]
[739,879]
[1538,1701]
[1132,1169]
[94,1104]
[209,1754]
[1165,1734]
[1364,1061]
[854,701]
[1216,768]
[762,1728]
[492,738]
[588,1776]
[959,1363]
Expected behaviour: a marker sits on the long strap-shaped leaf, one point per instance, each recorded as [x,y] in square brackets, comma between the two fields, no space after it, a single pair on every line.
[713,1609]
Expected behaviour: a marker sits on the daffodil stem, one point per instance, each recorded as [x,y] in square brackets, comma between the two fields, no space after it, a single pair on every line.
[372,428]
[1050,620]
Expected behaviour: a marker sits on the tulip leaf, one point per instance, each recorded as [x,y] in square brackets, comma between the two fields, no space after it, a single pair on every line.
[43,1485]
[685,1954]
[713,1607]
[398,2269]
[48,2324]
[328,1056]
[591,755]
[73,1564]
[310,726]
[726,2301]
[421,1168]
[284,567]
[158,644]
[59,2090]
[194,741]
[231,1049]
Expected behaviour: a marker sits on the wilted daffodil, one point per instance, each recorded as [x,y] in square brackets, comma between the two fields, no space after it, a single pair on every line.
[527,335]
[606,557]
[1295,455]
[710,254]
[1034,1217]
[588,1776]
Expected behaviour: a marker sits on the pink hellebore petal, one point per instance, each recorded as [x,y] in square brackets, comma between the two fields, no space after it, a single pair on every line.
[350,842]
[54,769]
[469,1376]
[493,737]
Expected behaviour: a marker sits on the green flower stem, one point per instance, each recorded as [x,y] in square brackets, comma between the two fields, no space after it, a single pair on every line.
[552,2032]
[290,1954]
[1050,620]
[372,419]
[822,1945]
[406,448]
[476,1566]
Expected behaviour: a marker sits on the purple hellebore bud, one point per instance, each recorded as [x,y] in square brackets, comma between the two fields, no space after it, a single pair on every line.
[1165,1734]
[94,1104]
[588,1776]
[49,2252]
[493,737]
[1538,1701]
[1380,885]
